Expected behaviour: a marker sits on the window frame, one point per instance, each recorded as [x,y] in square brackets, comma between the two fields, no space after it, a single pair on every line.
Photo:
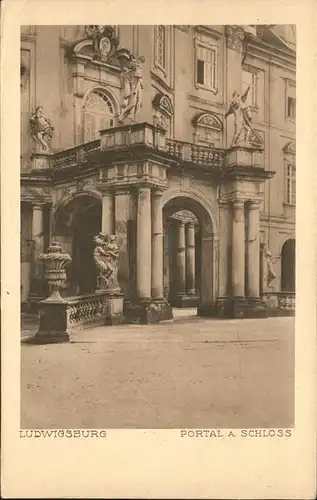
[214,49]
[157,62]
[290,183]
[255,73]
[289,84]
[108,101]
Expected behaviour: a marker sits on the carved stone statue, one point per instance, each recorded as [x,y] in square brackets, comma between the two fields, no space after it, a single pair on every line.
[242,117]
[106,254]
[270,274]
[132,85]
[41,129]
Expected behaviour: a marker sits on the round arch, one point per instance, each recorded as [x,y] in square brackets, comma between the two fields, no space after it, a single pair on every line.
[175,201]
[196,202]
[99,111]
[77,219]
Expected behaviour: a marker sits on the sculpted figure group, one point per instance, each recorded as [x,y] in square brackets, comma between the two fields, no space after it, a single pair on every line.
[242,117]
[106,254]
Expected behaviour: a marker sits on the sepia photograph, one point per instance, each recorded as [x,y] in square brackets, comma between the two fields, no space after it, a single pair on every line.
[158,195]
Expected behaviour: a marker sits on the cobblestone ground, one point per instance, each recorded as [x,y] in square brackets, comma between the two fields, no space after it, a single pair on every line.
[192,373]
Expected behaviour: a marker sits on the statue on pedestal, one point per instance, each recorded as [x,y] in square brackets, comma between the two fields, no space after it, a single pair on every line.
[242,117]
[132,85]
[269,274]
[41,129]
[106,254]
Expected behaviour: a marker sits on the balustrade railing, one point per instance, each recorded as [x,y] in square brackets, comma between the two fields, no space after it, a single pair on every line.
[75,156]
[194,153]
[280,301]
[86,310]
[124,137]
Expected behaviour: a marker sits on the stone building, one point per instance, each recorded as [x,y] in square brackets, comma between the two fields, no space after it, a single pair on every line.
[125,130]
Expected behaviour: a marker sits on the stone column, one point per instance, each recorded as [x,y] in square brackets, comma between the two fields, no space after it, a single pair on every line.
[253,249]
[181,259]
[122,216]
[157,244]
[224,243]
[38,248]
[107,213]
[190,258]
[143,251]
[238,249]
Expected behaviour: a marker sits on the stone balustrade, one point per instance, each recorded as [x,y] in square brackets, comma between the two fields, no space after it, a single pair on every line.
[140,134]
[280,303]
[86,310]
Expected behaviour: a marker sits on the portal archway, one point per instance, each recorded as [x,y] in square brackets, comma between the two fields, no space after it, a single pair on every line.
[194,249]
[76,223]
[288,264]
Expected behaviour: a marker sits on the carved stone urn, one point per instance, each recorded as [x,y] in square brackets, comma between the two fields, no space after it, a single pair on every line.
[55,262]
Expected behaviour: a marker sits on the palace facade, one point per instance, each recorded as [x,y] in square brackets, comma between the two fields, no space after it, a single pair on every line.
[124,131]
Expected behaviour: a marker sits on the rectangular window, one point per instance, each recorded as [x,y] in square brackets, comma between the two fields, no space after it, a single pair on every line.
[291,108]
[249,79]
[160,45]
[290,184]
[290,104]
[206,66]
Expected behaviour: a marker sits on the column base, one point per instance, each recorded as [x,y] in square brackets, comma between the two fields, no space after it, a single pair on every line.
[147,311]
[240,307]
[184,301]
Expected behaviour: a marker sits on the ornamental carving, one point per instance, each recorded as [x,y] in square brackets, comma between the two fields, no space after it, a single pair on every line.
[290,148]
[164,104]
[209,120]
[41,129]
[235,37]
[106,255]
[131,85]
[105,41]
[242,118]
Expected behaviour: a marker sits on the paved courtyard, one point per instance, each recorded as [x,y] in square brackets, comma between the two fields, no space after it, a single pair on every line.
[191,373]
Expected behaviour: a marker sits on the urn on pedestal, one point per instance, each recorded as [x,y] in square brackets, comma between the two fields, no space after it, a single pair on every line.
[55,262]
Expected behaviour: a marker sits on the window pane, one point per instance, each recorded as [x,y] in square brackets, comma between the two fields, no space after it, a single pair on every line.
[200,72]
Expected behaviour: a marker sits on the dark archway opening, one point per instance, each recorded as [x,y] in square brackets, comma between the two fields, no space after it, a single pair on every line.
[75,226]
[188,253]
[288,264]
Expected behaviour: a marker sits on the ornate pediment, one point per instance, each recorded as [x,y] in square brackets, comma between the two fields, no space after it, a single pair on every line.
[290,148]
[256,140]
[100,42]
[208,120]
[163,103]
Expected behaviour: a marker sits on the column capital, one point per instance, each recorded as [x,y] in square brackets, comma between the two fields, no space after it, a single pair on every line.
[38,205]
[157,192]
[238,204]
[254,204]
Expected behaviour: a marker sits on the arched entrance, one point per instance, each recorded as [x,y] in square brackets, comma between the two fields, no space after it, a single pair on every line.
[76,223]
[190,254]
[288,264]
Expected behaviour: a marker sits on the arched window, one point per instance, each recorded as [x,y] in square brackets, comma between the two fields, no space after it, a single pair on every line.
[98,114]
[288,266]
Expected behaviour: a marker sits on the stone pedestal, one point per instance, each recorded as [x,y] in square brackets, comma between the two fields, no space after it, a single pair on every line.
[53,323]
[114,309]
[40,160]
[147,311]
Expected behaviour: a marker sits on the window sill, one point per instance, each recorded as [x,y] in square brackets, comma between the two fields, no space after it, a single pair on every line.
[290,120]
[200,86]
[289,205]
